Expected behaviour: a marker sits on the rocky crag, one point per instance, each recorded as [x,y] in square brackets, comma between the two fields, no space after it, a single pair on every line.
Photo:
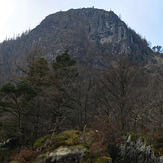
[137,152]
[129,152]
[93,36]
[76,146]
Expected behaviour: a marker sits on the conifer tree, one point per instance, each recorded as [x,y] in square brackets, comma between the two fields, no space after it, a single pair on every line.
[16,108]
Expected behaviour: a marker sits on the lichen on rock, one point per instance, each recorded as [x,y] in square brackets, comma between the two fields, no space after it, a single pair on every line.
[137,151]
[70,146]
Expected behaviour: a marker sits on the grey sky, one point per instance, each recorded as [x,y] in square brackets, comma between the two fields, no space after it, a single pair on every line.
[144,16]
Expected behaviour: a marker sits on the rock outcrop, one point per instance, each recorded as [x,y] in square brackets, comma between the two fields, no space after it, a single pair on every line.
[74,146]
[83,147]
[137,152]
[93,37]
[70,147]
[64,154]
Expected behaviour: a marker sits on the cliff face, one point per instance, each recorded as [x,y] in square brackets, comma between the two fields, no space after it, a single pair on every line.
[93,36]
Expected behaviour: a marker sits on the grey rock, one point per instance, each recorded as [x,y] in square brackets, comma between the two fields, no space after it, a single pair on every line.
[93,37]
[63,155]
[137,152]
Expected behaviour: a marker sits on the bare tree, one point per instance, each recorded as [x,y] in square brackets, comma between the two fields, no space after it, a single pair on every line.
[82,97]
[154,106]
[118,89]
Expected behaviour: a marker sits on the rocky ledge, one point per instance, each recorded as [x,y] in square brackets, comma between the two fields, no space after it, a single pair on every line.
[137,152]
[71,147]
[85,147]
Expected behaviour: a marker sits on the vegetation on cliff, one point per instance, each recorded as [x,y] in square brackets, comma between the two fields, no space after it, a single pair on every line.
[103,107]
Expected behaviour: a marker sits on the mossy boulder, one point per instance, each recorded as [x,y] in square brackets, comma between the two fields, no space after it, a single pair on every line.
[71,146]
[66,138]
[65,154]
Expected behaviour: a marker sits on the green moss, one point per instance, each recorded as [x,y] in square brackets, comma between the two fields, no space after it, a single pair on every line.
[135,136]
[67,135]
[66,138]
[103,159]
[40,158]
[40,143]
[89,138]
[74,139]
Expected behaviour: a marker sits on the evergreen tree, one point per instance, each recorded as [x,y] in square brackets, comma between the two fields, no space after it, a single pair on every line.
[38,74]
[16,108]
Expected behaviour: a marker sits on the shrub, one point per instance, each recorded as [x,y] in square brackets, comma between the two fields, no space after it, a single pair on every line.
[108,129]
[25,155]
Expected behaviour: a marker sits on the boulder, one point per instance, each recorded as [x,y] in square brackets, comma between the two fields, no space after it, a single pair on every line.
[137,152]
[70,147]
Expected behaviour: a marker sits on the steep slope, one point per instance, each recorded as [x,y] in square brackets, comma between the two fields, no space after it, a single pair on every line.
[93,36]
